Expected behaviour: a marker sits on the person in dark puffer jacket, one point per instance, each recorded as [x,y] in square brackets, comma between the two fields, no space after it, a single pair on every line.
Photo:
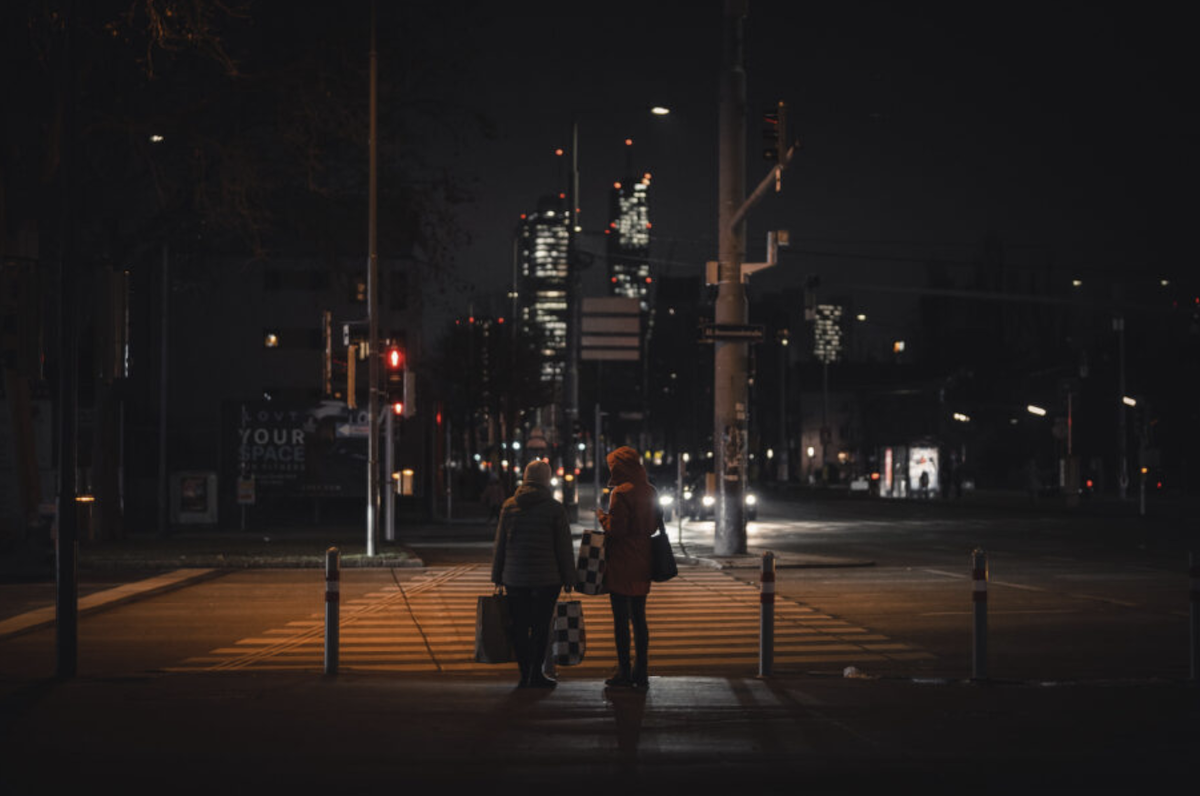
[630,521]
[533,558]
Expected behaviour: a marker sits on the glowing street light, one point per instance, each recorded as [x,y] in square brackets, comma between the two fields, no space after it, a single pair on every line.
[1036,410]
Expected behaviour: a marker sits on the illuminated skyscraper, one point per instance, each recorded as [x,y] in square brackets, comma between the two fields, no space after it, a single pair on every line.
[629,237]
[542,257]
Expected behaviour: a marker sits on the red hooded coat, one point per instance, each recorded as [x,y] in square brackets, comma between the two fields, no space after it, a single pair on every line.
[631,520]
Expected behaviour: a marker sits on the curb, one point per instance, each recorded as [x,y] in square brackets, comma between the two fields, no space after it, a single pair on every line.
[42,618]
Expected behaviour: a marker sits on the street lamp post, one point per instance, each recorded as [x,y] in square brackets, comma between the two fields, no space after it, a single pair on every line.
[1122,443]
[570,413]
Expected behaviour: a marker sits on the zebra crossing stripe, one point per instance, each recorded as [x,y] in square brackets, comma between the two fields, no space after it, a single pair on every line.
[701,620]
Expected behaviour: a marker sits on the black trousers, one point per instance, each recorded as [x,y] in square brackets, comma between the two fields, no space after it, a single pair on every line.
[531,608]
[628,611]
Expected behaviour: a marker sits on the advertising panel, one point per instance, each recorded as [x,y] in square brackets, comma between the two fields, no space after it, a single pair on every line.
[923,471]
[314,450]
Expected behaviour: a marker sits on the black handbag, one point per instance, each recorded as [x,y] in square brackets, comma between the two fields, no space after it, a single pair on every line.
[662,558]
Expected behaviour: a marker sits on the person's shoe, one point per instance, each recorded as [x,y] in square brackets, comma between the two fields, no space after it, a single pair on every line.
[619,680]
[640,680]
[539,680]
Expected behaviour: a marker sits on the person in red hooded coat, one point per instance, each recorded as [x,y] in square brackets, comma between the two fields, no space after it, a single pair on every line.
[630,521]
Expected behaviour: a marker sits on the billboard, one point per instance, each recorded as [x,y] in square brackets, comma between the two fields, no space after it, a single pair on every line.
[297,450]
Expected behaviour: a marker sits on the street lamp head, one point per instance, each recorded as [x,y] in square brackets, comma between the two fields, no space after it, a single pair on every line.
[659,110]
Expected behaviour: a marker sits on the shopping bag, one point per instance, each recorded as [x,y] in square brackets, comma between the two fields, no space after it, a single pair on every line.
[493,628]
[568,639]
[591,563]
[662,559]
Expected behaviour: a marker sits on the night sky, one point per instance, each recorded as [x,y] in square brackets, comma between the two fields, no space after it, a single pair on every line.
[1060,132]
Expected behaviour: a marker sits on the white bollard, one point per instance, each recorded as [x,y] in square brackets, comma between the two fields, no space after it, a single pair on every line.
[766,623]
[979,578]
[332,593]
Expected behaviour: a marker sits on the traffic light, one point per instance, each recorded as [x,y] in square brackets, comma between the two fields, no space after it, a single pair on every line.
[393,364]
[775,141]
[399,392]
[394,360]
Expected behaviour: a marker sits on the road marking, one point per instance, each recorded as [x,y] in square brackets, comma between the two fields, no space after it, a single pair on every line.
[700,621]
[1098,598]
[994,612]
[958,576]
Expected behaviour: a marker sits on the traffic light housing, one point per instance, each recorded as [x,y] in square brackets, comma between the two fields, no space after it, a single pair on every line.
[393,366]
[775,140]
[401,382]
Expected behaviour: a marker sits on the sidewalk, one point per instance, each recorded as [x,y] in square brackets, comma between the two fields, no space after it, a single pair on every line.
[236,732]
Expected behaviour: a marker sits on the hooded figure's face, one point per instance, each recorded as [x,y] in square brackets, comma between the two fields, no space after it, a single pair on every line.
[625,466]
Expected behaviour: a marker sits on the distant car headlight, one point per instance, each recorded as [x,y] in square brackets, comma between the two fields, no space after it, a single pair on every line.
[708,500]
[751,499]
[687,494]
[666,500]
[554,481]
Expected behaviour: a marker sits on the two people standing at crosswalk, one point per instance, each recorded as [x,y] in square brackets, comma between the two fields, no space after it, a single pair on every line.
[533,559]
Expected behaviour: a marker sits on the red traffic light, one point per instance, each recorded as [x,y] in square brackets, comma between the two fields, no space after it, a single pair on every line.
[398,408]
[394,358]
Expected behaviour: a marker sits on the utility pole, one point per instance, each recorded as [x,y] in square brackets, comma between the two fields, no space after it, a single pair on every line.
[729,372]
[372,319]
[67,539]
[730,383]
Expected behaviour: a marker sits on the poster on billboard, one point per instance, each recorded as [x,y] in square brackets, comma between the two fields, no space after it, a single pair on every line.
[923,471]
[297,450]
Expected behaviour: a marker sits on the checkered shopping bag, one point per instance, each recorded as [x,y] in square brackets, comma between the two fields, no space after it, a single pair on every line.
[568,639]
[591,563]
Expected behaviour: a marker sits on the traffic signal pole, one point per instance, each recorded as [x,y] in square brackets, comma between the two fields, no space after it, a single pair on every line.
[730,354]
[372,320]
[730,390]
[389,493]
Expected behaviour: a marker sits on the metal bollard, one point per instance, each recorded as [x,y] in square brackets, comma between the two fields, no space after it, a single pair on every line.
[1194,574]
[766,622]
[332,592]
[979,578]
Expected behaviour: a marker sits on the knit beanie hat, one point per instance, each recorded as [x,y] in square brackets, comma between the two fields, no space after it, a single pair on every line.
[537,472]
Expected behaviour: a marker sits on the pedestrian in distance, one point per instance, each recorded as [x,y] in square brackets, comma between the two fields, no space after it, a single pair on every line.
[533,559]
[630,521]
[493,497]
